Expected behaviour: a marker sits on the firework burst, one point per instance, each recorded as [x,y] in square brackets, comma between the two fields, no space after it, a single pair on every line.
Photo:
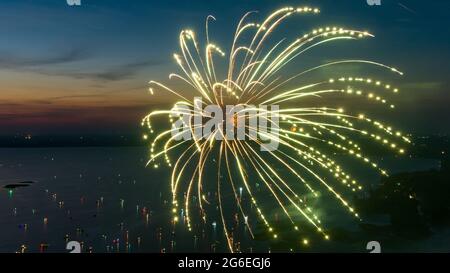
[303,169]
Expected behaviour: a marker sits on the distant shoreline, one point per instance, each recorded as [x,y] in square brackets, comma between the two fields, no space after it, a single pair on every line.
[28,141]
[433,146]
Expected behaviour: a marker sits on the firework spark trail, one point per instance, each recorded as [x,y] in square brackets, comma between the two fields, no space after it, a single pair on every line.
[253,78]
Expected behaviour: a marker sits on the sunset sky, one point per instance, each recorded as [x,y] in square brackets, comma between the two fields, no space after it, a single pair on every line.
[85,69]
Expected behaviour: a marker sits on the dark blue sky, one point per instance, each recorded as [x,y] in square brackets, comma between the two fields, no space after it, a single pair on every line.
[85,69]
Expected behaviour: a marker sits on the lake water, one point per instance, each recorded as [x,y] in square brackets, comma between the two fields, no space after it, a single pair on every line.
[107,199]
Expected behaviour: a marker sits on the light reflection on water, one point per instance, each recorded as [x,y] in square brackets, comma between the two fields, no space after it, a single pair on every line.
[107,199]
[104,197]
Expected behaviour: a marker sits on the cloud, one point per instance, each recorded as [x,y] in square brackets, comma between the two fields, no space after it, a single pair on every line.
[118,73]
[4,104]
[9,61]
[74,97]
[115,73]
[88,115]
[45,66]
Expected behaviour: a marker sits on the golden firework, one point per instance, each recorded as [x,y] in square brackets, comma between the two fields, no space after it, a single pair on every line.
[301,167]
